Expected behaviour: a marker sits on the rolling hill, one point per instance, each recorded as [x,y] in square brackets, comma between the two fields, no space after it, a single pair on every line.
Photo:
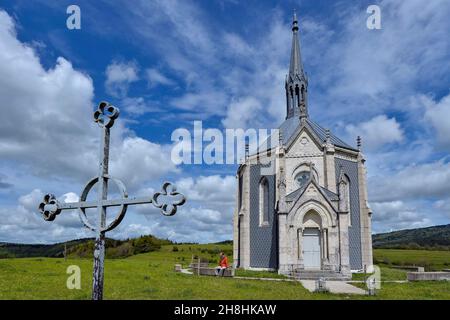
[436,237]
[82,248]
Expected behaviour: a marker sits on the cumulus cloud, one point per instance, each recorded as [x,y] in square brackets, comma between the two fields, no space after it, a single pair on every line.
[242,112]
[49,137]
[443,205]
[376,132]
[437,113]
[212,189]
[368,72]
[359,74]
[428,180]
[206,216]
[51,109]
[195,224]
[216,68]
[22,223]
[56,135]
[119,75]
[395,215]
[138,160]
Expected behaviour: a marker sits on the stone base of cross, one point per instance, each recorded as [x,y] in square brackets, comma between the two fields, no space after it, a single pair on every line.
[167,200]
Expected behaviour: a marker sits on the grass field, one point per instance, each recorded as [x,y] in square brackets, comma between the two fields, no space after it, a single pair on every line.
[151,276]
[431,260]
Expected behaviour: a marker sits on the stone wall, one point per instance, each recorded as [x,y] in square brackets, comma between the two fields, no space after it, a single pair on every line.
[263,239]
[350,168]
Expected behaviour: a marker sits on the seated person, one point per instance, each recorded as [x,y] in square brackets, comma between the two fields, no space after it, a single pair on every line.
[223,265]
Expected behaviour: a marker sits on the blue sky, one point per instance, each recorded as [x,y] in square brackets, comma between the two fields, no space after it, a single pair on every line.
[168,63]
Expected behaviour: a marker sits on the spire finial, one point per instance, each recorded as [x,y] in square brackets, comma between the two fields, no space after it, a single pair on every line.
[358,142]
[280,138]
[327,136]
[294,22]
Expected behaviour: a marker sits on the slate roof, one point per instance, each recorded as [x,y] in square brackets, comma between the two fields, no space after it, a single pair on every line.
[296,193]
[289,127]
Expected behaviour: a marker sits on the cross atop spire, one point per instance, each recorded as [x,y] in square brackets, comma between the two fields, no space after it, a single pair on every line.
[294,20]
[296,81]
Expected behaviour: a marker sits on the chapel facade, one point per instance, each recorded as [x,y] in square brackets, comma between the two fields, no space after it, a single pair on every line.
[308,214]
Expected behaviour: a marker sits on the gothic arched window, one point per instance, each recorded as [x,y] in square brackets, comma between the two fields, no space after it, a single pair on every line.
[240,192]
[346,189]
[291,91]
[263,202]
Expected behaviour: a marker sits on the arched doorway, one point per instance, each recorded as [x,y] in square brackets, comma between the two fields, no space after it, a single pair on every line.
[311,251]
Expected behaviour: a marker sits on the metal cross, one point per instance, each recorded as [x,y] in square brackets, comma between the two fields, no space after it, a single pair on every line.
[167,200]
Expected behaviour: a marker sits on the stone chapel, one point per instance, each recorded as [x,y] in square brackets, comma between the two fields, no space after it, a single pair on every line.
[310,216]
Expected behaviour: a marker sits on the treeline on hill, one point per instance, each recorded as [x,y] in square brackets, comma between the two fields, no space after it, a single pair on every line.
[15,250]
[83,248]
[430,238]
[119,248]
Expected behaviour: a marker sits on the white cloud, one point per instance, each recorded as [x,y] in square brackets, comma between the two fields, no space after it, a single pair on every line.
[365,72]
[56,135]
[201,102]
[423,181]
[358,75]
[443,205]
[376,132]
[22,223]
[236,45]
[48,123]
[195,224]
[139,160]
[119,75]
[48,139]
[155,77]
[395,215]
[138,106]
[205,217]
[242,112]
[213,189]
[438,114]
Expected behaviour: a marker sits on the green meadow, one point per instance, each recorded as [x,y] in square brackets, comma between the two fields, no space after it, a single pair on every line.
[151,276]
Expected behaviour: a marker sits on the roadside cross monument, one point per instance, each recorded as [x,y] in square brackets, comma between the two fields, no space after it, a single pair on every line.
[167,200]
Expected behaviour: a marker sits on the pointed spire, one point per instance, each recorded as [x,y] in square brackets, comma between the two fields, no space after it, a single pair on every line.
[359,143]
[296,66]
[296,82]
